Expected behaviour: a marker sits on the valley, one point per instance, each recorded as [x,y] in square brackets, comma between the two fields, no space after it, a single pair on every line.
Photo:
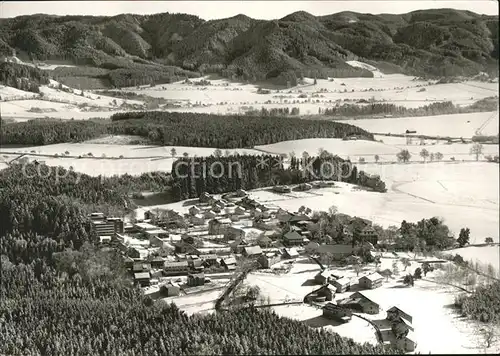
[176,186]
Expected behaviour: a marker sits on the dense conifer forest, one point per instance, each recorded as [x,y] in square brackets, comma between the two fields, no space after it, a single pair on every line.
[22,77]
[193,176]
[61,295]
[180,129]
[438,108]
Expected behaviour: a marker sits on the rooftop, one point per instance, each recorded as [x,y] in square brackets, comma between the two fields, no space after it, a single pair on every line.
[342,281]
[176,264]
[146,226]
[293,235]
[156,231]
[373,277]
[142,275]
[253,250]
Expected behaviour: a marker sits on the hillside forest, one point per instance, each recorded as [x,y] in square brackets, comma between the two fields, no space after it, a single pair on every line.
[129,50]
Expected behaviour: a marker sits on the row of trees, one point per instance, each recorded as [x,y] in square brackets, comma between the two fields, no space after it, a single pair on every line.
[179,129]
[405,156]
[438,108]
[421,236]
[22,77]
[217,174]
[204,130]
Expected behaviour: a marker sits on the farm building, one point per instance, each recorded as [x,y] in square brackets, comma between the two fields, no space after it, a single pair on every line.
[170,289]
[156,241]
[239,210]
[304,186]
[176,268]
[252,251]
[197,279]
[281,189]
[266,224]
[219,204]
[209,260]
[325,293]
[210,214]
[397,330]
[264,240]
[291,253]
[371,281]
[259,213]
[342,284]
[240,193]
[407,343]
[229,263]
[145,226]
[243,232]
[197,219]
[324,276]
[269,259]
[141,267]
[333,311]
[337,251]
[360,302]
[194,210]
[218,226]
[321,184]
[370,235]
[156,233]
[306,225]
[206,198]
[157,262]
[293,238]
[196,265]
[142,278]
[128,261]
[238,245]
[395,313]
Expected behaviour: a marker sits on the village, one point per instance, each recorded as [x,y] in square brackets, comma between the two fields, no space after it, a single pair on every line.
[209,251]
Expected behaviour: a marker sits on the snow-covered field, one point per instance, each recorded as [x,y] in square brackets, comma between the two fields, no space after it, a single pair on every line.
[457,125]
[483,254]
[224,96]
[375,71]
[386,150]
[58,103]
[128,151]
[135,160]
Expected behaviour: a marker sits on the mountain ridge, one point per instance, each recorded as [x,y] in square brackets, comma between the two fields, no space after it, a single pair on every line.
[442,42]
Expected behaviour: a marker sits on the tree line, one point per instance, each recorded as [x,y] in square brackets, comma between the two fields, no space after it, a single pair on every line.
[218,174]
[180,129]
[22,77]
[439,108]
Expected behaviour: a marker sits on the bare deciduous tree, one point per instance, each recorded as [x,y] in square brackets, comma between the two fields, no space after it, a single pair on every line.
[476,149]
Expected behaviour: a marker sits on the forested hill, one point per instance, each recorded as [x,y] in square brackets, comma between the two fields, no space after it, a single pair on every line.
[441,42]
